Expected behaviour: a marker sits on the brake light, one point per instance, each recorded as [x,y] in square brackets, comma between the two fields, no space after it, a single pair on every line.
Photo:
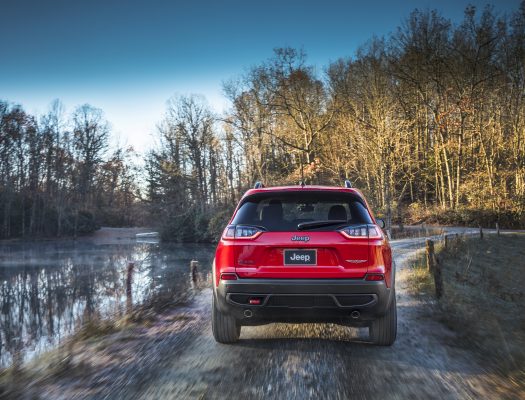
[351,232]
[374,232]
[370,231]
[241,232]
[374,277]
[228,277]
[229,232]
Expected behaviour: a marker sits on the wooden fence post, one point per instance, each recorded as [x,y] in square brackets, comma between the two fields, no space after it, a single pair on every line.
[438,279]
[446,241]
[194,268]
[129,293]
[434,267]
[497,229]
[480,232]
[430,255]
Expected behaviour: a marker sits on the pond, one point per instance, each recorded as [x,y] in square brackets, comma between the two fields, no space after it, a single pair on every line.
[49,289]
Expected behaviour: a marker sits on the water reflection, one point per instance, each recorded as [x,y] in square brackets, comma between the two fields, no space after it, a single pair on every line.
[48,289]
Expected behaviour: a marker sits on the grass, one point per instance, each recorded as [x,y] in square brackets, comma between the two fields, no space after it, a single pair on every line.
[484,297]
[420,281]
[97,333]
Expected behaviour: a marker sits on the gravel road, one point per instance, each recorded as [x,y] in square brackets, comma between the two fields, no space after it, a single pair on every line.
[177,358]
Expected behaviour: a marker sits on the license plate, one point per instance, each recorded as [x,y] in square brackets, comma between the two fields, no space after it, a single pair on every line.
[300,257]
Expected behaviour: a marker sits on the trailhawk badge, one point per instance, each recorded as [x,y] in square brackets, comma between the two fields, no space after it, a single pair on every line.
[296,238]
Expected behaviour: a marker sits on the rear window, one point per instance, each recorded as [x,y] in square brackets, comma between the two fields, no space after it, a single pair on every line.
[282,212]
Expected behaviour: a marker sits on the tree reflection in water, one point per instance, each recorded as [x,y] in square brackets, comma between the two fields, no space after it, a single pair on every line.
[49,289]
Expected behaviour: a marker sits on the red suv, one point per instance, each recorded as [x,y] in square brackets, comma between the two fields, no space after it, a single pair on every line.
[304,254]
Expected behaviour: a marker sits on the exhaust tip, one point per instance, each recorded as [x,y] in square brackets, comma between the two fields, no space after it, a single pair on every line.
[248,313]
[355,314]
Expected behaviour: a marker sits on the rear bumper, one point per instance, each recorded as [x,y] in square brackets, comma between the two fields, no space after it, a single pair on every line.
[303,300]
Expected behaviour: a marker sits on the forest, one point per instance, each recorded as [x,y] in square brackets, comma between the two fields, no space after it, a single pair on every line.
[58,175]
[429,122]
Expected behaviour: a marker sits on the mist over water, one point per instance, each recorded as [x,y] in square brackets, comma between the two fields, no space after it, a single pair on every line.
[49,289]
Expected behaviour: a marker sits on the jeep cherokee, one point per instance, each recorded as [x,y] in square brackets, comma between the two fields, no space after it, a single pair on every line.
[304,254]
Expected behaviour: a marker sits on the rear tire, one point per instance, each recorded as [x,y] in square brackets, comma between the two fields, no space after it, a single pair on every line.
[226,329]
[383,330]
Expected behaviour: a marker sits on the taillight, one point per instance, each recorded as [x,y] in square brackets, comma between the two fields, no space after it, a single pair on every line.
[361,232]
[351,232]
[374,232]
[229,232]
[241,232]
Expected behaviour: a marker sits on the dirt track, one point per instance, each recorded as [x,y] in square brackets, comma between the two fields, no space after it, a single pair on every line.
[177,358]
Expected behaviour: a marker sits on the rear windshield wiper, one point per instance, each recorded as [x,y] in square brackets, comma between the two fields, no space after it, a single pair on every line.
[319,224]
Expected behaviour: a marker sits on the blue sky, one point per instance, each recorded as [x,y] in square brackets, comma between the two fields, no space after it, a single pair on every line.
[128,57]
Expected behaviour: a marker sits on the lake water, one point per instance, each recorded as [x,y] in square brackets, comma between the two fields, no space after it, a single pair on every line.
[48,289]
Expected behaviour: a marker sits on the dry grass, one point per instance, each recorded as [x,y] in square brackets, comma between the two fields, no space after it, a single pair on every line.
[97,333]
[484,298]
[419,280]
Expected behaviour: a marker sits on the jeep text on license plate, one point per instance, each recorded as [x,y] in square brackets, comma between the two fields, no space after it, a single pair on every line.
[300,257]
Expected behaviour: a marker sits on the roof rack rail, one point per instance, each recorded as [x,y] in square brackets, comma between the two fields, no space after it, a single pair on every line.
[258,185]
[348,184]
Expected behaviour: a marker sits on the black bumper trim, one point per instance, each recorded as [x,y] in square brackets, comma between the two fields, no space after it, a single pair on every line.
[233,298]
[322,291]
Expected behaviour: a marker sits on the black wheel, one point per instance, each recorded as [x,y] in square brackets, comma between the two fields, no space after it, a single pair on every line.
[225,328]
[383,330]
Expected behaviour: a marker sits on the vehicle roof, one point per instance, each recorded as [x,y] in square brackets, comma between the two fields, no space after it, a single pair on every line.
[305,188]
